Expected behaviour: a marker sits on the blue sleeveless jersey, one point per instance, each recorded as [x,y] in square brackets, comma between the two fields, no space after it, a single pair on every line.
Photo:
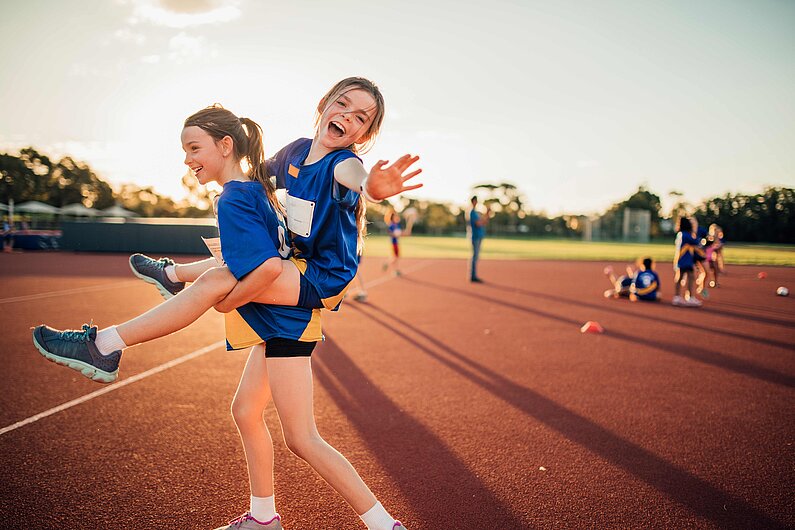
[321,217]
[251,233]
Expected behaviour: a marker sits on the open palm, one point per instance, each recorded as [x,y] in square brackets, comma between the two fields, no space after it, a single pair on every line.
[384,182]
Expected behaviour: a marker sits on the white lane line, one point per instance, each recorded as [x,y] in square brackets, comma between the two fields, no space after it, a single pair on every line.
[90,288]
[114,386]
[156,369]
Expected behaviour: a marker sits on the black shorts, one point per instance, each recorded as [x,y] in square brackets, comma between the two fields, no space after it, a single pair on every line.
[308,296]
[686,269]
[279,347]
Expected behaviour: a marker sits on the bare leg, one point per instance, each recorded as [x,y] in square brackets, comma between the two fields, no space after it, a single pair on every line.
[677,282]
[291,385]
[252,396]
[190,272]
[181,310]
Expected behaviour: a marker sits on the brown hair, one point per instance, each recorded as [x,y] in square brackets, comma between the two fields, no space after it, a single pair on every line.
[246,138]
[366,141]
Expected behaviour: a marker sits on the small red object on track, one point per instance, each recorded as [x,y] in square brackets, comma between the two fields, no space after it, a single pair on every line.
[592,326]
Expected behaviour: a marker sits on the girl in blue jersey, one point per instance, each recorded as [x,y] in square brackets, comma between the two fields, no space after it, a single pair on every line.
[392,220]
[684,264]
[325,180]
[254,243]
[645,283]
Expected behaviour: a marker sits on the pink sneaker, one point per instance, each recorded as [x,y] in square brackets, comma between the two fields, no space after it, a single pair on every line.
[398,526]
[247,522]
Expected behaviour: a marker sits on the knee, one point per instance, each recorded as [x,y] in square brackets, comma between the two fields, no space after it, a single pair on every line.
[217,280]
[302,445]
[246,414]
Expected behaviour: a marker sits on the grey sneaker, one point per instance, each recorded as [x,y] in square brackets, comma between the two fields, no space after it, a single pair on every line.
[153,271]
[77,350]
[247,522]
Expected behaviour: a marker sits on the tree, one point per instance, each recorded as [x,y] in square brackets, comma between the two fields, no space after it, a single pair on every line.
[767,216]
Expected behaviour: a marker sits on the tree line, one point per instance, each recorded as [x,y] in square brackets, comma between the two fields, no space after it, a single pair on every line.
[768,216]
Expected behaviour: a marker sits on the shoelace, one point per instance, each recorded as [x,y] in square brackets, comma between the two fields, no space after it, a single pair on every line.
[74,335]
[242,519]
[162,263]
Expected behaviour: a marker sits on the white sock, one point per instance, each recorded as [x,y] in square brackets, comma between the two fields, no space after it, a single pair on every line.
[171,273]
[109,340]
[263,509]
[377,518]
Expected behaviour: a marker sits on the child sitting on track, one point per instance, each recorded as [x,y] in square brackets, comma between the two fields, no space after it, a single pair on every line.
[646,283]
[621,284]
[643,284]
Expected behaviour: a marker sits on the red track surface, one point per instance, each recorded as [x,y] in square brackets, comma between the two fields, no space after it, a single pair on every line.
[449,399]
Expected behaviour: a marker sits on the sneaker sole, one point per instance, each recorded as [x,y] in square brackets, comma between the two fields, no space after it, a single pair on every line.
[165,293]
[92,372]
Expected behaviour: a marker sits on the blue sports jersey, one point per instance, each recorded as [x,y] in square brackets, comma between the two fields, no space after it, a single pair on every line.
[476,232]
[685,249]
[321,216]
[394,231]
[645,285]
[251,230]
[251,233]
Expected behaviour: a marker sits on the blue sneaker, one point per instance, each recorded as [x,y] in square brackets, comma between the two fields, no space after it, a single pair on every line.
[77,350]
[154,271]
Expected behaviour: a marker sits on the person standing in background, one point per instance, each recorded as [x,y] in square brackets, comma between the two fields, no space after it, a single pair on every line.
[477,230]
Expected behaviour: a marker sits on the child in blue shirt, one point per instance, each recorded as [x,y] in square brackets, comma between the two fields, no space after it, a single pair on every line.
[214,150]
[392,220]
[646,284]
[324,182]
[684,264]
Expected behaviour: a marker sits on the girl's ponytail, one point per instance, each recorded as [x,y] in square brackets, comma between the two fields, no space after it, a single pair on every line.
[255,157]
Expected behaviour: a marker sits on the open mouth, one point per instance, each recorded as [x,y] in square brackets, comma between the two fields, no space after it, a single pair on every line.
[335,129]
[196,170]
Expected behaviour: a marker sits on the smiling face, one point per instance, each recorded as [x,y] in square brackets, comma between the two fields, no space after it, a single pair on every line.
[203,155]
[346,119]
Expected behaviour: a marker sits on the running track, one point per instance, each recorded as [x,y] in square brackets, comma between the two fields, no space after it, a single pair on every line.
[462,406]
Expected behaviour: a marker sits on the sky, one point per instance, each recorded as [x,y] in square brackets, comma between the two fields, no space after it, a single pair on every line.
[577,103]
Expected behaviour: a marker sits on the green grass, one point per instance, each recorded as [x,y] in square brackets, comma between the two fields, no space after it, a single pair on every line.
[563,249]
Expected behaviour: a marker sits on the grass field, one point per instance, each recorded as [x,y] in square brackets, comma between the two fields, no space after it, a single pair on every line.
[563,249]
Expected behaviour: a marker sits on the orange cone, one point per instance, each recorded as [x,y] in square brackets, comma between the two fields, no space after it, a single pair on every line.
[592,326]
[762,275]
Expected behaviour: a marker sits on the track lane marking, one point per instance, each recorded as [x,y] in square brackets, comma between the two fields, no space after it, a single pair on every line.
[151,371]
[112,387]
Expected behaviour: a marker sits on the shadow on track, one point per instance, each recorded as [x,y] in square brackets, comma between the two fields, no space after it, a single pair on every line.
[697,495]
[437,484]
[695,353]
[639,314]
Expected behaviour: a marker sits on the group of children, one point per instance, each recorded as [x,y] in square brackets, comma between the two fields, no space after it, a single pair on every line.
[284,261]
[698,255]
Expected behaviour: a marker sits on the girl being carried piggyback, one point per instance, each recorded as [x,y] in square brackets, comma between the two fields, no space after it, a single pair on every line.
[324,180]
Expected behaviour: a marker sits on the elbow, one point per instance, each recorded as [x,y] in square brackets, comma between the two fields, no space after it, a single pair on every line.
[223,307]
[272,269]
